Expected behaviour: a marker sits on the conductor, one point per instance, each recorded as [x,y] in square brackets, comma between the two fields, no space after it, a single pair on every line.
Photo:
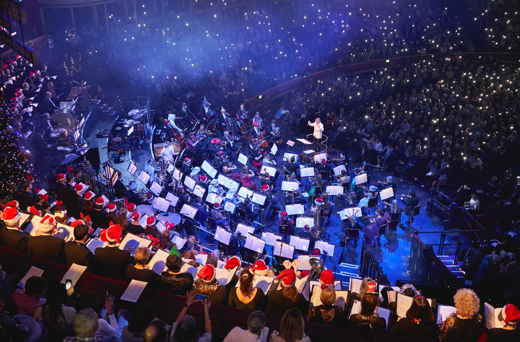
[317,134]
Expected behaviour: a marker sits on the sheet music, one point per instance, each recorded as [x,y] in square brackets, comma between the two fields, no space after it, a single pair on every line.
[33,225]
[188,210]
[144,177]
[301,221]
[304,141]
[244,230]
[290,186]
[73,273]
[268,169]
[161,204]
[290,143]
[170,168]
[213,198]
[132,168]
[105,200]
[131,242]
[386,193]
[187,268]
[64,232]
[245,192]
[325,247]
[201,258]
[338,169]
[224,276]
[180,242]
[304,263]
[95,243]
[189,182]
[445,311]
[284,250]
[258,199]
[341,297]
[223,236]
[230,207]
[356,308]
[156,188]
[334,190]
[404,303]
[209,169]
[295,209]
[177,174]
[158,262]
[134,290]
[319,157]
[361,179]
[242,159]
[255,244]
[491,316]
[199,191]
[307,172]
[354,211]
[274,149]
[270,238]
[33,272]
[299,243]
[142,220]
[261,282]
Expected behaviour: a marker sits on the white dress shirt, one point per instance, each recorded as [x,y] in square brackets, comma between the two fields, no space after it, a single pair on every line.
[318,129]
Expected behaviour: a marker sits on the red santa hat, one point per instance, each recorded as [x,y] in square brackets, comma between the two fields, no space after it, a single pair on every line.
[510,315]
[151,221]
[130,207]
[89,195]
[215,140]
[232,263]
[284,213]
[47,224]
[216,205]
[13,204]
[327,279]
[78,223]
[11,216]
[265,187]
[34,211]
[187,160]
[318,201]
[316,251]
[135,216]
[18,57]
[112,234]
[61,177]
[324,162]
[111,207]
[260,268]
[256,123]
[78,187]
[100,201]
[207,273]
[288,277]
[203,178]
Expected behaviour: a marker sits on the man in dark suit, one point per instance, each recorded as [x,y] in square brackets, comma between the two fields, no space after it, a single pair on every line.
[70,193]
[110,260]
[76,252]
[13,238]
[99,215]
[60,187]
[48,105]
[45,246]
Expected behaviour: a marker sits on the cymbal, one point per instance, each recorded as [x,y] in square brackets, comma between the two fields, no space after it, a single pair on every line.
[133,112]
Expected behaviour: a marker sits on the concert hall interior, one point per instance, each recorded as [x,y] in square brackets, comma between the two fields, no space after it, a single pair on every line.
[339,169]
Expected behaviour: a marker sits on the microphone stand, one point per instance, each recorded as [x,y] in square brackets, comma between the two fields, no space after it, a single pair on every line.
[325,255]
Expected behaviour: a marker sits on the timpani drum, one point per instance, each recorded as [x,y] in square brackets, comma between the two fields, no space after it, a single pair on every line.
[145,209]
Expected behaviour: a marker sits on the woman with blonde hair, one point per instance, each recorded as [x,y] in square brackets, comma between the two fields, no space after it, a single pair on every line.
[327,313]
[465,324]
[291,328]
[246,296]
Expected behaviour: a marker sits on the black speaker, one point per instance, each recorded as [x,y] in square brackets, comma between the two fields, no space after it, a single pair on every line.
[353,156]
[92,156]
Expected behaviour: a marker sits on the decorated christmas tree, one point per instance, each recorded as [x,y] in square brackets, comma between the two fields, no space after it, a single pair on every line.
[14,159]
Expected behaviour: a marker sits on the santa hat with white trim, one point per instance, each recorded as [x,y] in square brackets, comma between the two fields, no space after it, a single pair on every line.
[260,268]
[111,207]
[207,273]
[288,277]
[47,224]
[233,262]
[11,216]
[112,234]
[150,221]
[89,195]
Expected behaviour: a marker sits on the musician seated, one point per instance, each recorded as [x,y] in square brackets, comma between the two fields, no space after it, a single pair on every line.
[248,207]
[266,179]
[167,153]
[186,166]
[201,132]
[283,220]
[48,105]
[291,166]
[297,199]
[257,155]
[191,141]
[228,167]
[218,160]
[216,214]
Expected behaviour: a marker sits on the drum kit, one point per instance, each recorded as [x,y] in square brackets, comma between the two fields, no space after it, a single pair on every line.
[135,126]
